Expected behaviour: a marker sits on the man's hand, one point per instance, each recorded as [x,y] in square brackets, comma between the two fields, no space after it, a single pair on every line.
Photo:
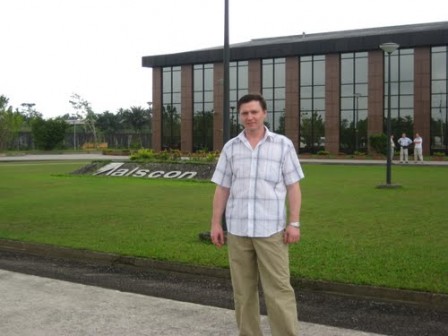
[291,235]
[217,235]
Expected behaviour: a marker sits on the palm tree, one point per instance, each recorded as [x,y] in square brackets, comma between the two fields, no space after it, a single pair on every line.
[136,118]
[109,124]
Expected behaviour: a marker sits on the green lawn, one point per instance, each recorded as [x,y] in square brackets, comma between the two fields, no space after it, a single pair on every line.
[352,232]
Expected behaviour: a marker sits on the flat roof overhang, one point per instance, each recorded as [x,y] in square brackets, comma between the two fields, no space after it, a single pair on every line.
[409,36]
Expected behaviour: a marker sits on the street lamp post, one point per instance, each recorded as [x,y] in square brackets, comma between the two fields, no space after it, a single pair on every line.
[389,48]
[74,134]
[226,84]
[441,123]
[73,120]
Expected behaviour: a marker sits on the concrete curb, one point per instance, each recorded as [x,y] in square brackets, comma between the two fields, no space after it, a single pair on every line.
[425,299]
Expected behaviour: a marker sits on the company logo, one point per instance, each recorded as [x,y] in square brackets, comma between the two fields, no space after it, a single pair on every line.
[119,169]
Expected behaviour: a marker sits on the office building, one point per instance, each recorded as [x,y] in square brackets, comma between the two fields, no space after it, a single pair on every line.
[325,91]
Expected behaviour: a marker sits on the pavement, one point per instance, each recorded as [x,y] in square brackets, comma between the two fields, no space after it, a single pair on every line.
[39,306]
[99,156]
[45,291]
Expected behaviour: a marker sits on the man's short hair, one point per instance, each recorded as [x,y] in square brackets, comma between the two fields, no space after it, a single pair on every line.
[252,97]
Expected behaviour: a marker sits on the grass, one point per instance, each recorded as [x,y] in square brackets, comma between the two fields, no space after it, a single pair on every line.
[351,231]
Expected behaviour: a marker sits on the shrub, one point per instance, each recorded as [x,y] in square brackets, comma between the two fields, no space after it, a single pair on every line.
[378,142]
[49,134]
[322,152]
[143,154]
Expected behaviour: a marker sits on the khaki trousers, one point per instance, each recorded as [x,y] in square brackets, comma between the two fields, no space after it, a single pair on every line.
[266,259]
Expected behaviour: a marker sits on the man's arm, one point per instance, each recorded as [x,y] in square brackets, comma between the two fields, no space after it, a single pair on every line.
[219,204]
[292,234]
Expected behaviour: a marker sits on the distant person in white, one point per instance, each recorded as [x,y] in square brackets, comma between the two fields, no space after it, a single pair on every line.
[392,147]
[404,143]
[418,148]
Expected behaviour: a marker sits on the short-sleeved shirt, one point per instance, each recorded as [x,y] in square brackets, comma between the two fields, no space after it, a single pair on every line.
[258,179]
[404,141]
[418,142]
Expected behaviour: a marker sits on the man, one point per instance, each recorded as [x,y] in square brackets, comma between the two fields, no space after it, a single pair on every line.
[255,173]
[392,147]
[418,148]
[404,143]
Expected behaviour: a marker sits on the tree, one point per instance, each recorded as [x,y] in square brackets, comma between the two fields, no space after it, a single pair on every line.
[29,113]
[136,118]
[312,130]
[170,127]
[378,142]
[49,134]
[281,129]
[203,130]
[10,123]
[109,124]
[85,112]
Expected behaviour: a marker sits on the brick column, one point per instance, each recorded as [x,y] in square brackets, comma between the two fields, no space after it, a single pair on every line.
[292,101]
[332,103]
[254,76]
[375,114]
[422,95]
[218,99]
[186,128]
[157,109]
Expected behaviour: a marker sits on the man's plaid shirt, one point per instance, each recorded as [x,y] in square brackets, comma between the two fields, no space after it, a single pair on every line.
[257,179]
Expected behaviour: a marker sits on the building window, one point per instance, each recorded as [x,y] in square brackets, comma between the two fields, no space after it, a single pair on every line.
[402,92]
[312,103]
[203,107]
[273,88]
[171,107]
[439,97]
[354,94]
[238,87]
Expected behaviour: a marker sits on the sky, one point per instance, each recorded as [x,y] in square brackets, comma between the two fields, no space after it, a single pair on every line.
[52,49]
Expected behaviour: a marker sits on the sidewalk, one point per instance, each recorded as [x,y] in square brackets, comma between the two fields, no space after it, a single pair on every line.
[37,306]
[98,156]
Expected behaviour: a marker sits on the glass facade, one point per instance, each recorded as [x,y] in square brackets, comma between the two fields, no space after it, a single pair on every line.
[354,97]
[171,107]
[312,103]
[238,87]
[402,92]
[274,91]
[203,107]
[357,97]
[439,96]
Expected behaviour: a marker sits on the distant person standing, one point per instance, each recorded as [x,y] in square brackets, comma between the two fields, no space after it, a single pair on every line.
[418,148]
[404,143]
[392,147]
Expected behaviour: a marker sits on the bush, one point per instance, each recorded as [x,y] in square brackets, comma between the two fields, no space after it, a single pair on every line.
[378,142]
[143,154]
[322,152]
[49,134]
[173,155]
[439,154]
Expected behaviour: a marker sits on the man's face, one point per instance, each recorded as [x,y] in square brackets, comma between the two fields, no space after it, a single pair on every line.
[252,116]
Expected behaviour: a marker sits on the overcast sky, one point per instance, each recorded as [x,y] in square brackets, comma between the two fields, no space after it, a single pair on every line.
[51,49]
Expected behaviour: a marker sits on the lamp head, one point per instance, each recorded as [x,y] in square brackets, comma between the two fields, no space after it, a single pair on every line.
[389,47]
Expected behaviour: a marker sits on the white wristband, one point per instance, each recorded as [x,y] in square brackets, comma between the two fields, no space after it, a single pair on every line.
[295,224]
